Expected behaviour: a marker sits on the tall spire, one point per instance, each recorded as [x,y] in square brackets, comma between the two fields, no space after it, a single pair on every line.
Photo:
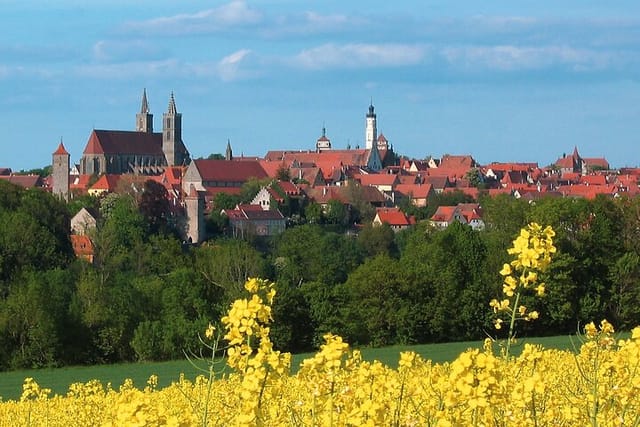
[144,119]
[144,109]
[229,153]
[172,105]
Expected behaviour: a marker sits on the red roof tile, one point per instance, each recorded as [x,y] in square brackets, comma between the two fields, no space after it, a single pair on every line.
[229,170]
[124,142]
[60,150]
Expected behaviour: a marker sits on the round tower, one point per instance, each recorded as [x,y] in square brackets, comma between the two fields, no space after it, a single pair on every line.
[371,130]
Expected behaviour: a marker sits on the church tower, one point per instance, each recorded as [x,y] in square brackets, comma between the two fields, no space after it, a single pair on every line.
[144,119]
[228,155]
[323,143]
[60,172]
[371,130]
[172,135]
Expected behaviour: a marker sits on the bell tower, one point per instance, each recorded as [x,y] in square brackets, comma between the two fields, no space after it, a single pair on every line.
[144,119]
[371,130]
[172,135]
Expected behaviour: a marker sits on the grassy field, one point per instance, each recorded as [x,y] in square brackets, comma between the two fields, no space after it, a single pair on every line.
[59,379]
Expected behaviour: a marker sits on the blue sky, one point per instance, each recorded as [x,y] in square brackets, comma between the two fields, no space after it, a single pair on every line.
[500,80]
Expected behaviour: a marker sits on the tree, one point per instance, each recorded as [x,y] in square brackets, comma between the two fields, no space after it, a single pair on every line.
[283,173]
[227,264]
[154,206]
[377,240]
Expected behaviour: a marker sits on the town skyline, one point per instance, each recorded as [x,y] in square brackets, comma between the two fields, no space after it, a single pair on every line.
[500,82]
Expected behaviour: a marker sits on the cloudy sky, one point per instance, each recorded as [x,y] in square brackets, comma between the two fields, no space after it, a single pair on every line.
[500,80]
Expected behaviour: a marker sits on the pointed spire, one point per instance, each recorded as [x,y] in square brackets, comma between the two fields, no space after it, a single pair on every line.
[172,105]
[144,108]
[61,149]
[228,153]
[324,131]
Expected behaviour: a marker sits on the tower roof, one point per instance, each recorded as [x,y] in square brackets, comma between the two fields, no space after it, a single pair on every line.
[172,105]
[371,113]
[144,108]
[61,150]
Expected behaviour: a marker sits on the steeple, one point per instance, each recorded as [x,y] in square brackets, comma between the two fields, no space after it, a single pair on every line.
[144,119]
[174,149]
[172,105]
[371,129]
[228,154]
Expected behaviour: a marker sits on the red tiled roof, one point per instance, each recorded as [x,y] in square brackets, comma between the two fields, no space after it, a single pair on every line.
[416,191]
[79,182]
[124,142]
[594,180]
[376,179]
[229,170]
[106,182]
[26,181]
[600,162]
[587,191]
[82,245]
[444,214]
[392,216]
[457,162]
[60,150]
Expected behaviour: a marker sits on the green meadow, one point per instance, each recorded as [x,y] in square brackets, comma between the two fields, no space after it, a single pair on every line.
[59,379]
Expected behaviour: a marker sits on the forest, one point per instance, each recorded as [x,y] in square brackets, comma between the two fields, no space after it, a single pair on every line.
[147,295]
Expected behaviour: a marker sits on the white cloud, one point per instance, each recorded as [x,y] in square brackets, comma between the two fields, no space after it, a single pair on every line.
[229,67]
[128,70]
[359,55]
[109,50]
[235,13]
[513,58]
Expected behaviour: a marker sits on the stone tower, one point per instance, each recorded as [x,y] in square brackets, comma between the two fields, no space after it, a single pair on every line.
[194,205]
[172,135]
[60,172]
[371,130]
[144,119]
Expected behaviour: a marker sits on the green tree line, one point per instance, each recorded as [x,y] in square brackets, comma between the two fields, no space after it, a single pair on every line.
[147,296]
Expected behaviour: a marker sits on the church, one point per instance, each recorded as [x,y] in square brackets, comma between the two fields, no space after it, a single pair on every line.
[142,151]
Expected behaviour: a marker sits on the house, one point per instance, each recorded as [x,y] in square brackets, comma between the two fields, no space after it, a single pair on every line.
[418,194]
[252,220]
[465,213]
[221,176]
[384,182]
[104,184]
[445,215]
[82,222]
[25,181]
[82,247]
[396,219]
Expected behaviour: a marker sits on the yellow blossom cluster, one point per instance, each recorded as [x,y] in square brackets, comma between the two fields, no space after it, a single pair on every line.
[597,385]
[531,251]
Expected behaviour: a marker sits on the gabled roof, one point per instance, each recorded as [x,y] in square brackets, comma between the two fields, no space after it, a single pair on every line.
[587,191]
[593,180]
[25,181]
[599,162]
[416,191]
[444,214]
[393,216]
[82,245]
[229,170]
[124,142]
[457,162]
[106,183]
[377,179]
